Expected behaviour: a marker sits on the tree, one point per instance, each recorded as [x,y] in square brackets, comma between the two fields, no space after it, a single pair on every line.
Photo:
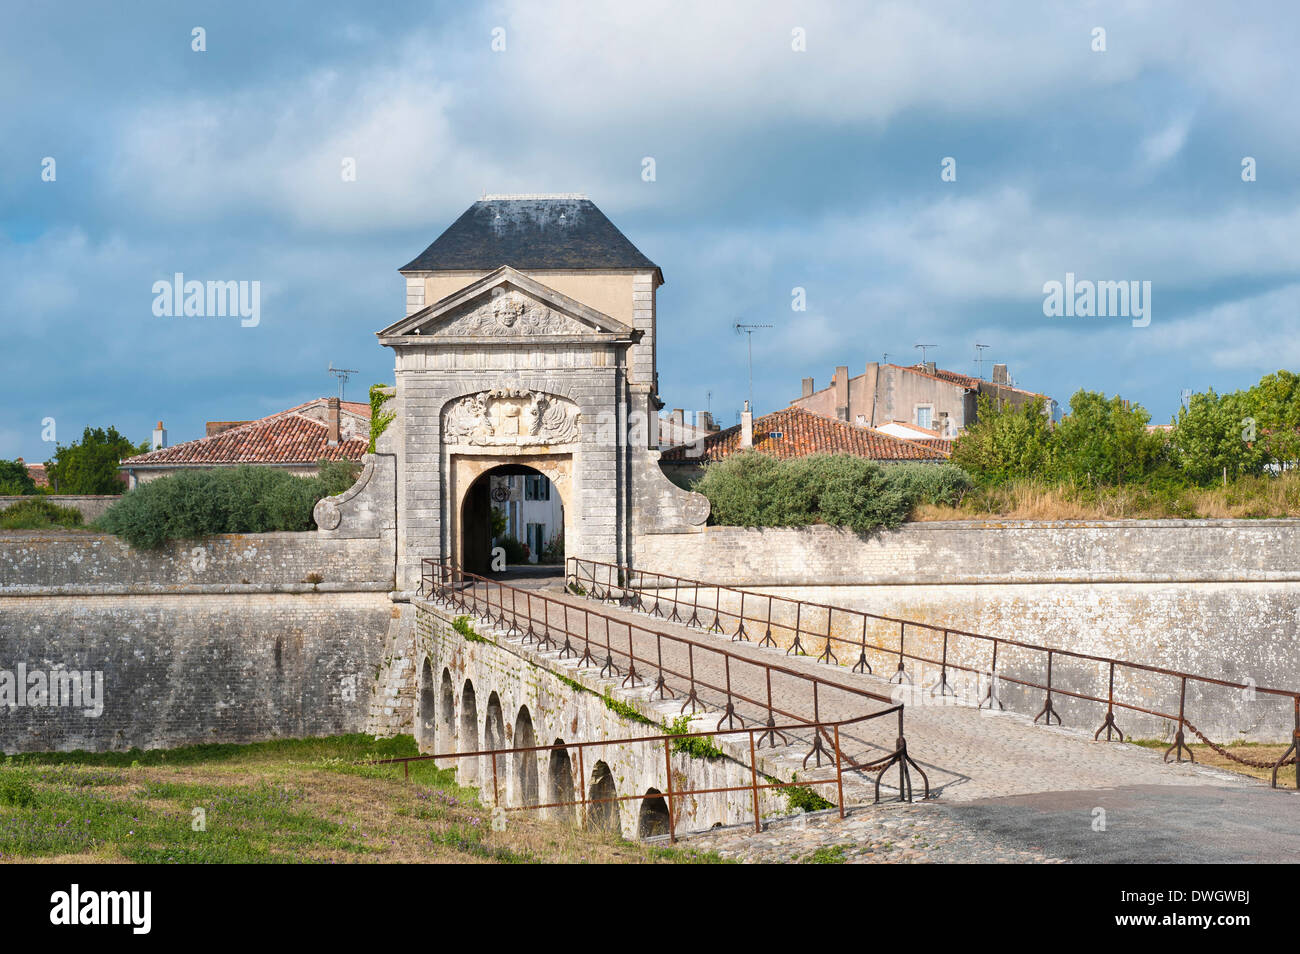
[90,467]
[1105,441]
[1274,405]
[1212,434]
[14,479]
[1006,442]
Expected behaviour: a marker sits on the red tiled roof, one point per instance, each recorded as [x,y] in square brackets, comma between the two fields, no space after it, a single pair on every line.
[37,473]
[285,438]
[803,433]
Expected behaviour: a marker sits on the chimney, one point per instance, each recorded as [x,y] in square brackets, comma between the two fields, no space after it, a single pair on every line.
[807,387]
[746,427]
[1000,375]
[704,421]
[870,382]
[332,423]
[930,367]
[159,437]
[679,422]
[842,393]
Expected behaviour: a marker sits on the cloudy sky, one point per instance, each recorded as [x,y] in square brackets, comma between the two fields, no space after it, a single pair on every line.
[775,168]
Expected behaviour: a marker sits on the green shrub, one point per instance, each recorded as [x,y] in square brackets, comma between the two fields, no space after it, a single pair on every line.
[753,490]
[941,484]
[379,418]
[37,513]
[515,551]
[199,503]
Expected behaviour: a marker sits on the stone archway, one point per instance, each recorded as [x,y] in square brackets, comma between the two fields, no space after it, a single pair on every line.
[426,717]
[468,734]
[521,507]
[470,480]
[560,776]
[602,809]
[446,731]
[653,818]
[525,763]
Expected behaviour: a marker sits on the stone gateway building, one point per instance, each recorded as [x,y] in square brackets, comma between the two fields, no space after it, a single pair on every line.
[528,347]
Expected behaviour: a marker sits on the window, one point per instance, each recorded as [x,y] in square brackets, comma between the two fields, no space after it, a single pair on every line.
[536,538]
[923,415]
[537,487]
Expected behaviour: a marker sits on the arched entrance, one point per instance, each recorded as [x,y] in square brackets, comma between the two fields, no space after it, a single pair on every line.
[517,509]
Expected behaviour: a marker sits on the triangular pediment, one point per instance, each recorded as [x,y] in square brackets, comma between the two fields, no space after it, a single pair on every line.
[506,304]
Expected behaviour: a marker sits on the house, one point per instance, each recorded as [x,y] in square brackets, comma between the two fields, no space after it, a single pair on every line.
[675,429]
[920,396]
[796,432]
[323,429]
[532,507]
[37,473]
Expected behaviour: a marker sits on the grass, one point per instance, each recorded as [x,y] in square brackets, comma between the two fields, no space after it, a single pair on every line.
[288,801]
[1259,751]
[37,513]
[827,855]
[1244,498]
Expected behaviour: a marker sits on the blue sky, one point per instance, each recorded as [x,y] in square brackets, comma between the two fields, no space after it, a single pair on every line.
[775,168]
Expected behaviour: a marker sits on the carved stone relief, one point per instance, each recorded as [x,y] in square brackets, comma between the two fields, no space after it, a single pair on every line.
[510,313]
[511,416]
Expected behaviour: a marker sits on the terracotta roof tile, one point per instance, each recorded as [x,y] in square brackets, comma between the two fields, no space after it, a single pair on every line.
[285,438]
[803,433]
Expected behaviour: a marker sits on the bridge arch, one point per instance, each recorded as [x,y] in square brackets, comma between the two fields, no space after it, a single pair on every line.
[602,812]
[445,737]
[525,763]
[653,818]
[560,776]
[469,741]
[426,717]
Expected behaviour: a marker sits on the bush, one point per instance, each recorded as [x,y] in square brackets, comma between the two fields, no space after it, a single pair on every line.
[37,513]
[246,499]
[516,552]
[941,485]
[753,490]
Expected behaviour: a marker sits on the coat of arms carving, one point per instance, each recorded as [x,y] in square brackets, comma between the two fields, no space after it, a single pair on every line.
[511,416]
[511,313]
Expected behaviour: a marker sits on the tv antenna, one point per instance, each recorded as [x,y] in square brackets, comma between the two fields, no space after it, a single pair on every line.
[884,358]
[923,347]
[979,358]
[744,329]
[342,374]
[1185,398]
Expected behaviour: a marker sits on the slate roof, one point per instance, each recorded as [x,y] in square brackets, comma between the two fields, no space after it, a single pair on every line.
[288,437]
[530,233]
[804,433]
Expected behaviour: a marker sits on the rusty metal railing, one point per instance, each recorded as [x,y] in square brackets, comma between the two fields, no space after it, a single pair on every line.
[600,639]
[637,589]
[672,795]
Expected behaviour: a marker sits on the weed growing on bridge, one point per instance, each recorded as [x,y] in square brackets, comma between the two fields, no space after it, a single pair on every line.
[627,711]
[797,797]
[698,747]
[462,626]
